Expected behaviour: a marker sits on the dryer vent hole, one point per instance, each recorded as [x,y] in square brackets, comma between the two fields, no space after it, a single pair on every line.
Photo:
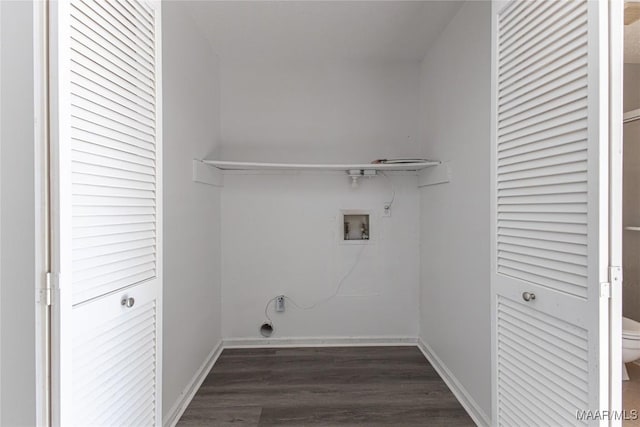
[266,329]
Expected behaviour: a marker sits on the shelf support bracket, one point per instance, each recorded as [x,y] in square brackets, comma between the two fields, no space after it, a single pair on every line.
[207,174]
[438,174]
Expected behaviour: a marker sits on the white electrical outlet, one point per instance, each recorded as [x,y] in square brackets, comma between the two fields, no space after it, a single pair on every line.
[280,303]
[386,211]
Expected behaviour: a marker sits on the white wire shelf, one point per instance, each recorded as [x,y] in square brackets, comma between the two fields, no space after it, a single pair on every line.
[414,166]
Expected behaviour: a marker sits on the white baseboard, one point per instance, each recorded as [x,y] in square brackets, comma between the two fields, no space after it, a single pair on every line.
[317,342]
[186,396]
[473,409]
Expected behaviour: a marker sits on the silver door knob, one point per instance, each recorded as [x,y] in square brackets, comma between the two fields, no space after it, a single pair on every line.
[128,302]
[528,296]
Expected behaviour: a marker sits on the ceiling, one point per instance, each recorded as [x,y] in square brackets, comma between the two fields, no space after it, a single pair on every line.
[360,30]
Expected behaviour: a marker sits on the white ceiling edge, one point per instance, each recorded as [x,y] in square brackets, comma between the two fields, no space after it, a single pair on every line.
[380,31]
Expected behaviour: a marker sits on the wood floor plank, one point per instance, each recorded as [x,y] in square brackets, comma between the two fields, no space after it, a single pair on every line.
[386,415]
[329,386]
[229,416]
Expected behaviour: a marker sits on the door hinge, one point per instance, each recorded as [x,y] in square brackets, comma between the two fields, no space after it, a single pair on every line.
[615,276]
[46,293]
[615,280]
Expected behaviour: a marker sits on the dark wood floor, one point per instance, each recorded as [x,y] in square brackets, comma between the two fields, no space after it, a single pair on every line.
[335,386]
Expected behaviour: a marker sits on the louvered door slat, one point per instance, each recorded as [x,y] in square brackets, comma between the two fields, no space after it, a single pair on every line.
[87,211]
[108,53]
[557,24]
[102,190]
[145,413]
[570,178]
[542,56]
[97,356]
[547,103]
[140,14]
[116,279]
[120,23]
[92,156]
[545,405]
[92,148]
[515,14]
[94,221]
[543,112]
[115,359]
[132,361]
[538,84]
[140,408]
[534,236]
[96,170]
[100,243]
[88,181]
[91,352]
[108,269]
[546,144]
[546,59]
[86,132]
[120,49]
[572,337]
[87,56]
[127,13]
[540,122]
[557,207]
[544,129]
[113,147]
[89,254]
[540,161]
[115,28]
[560,169]
[548,172]
[105,61]
[116,94]
[84,65]
[106,83]
[563,134]
[561,218]
[87,97]
[543,254]
[90,113]
[143,9]
[539,365]
[547,20]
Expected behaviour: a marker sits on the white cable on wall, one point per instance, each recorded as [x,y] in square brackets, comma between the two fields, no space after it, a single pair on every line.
[324,300]
[393,190]
[344,277]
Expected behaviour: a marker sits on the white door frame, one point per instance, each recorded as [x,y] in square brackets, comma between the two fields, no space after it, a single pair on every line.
[41,179]
[616,60]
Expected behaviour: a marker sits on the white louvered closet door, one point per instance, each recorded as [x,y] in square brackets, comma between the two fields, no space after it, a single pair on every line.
[106,216]
[550,241]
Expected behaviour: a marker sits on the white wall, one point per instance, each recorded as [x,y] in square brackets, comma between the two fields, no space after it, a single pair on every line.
[282,235]
[631,86]
[191,210]
[18,219]
[455,302]
[280,231]
[324,111]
